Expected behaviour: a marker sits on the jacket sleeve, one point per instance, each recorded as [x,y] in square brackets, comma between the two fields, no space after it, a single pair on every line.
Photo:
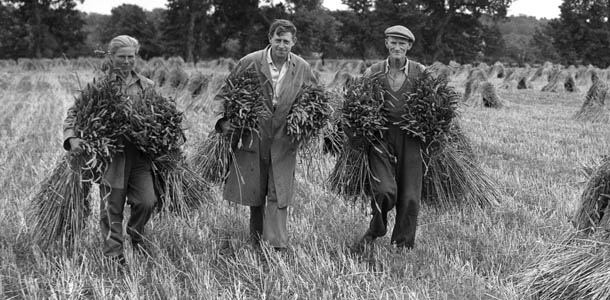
[68,127]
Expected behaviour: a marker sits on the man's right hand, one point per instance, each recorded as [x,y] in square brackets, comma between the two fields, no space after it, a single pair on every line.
[225,127]
[75,144]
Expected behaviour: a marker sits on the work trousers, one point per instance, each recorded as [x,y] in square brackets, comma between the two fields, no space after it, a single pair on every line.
[397,167]
[268,221]
[139,194]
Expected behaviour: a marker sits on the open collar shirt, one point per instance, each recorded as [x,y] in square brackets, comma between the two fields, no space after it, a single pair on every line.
[404,68]
[277,75]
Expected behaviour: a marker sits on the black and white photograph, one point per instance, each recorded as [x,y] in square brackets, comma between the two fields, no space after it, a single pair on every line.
[305,149]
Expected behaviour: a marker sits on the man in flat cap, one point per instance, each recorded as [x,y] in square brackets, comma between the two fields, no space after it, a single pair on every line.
[397,168]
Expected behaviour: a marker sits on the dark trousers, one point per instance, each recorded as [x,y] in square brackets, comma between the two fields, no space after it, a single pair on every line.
[268,221]
[397,168]
[140,195]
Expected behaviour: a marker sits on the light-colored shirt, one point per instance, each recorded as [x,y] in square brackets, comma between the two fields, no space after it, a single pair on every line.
[404,68]
[277,75]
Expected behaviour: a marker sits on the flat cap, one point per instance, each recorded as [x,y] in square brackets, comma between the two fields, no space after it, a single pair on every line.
[400,32]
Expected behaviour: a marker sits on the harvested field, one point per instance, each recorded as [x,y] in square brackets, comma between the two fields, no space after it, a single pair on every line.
[534,149]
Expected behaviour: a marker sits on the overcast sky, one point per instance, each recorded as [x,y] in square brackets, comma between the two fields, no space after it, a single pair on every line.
[539,8]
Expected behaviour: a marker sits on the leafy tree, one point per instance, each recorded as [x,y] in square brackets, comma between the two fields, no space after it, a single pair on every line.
[13,29]
[316,31]
[50,27]
[357,29]
[305,5]
[445,15]
[185,28]
[237,23]
[541,46]
[94,28]
[132,20]
[582,32]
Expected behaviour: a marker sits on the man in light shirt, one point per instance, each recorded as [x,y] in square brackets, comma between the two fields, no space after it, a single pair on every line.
[262,175]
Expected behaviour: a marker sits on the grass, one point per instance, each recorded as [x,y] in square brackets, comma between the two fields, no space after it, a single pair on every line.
[532,147]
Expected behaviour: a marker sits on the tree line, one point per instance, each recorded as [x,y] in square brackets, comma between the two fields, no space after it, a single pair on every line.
[465,31]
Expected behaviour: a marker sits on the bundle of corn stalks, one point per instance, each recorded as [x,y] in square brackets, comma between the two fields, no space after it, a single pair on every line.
[543,72]
[351,176]
[180,188]
[363,119]
[561,81]
[309,114]
[524,83]
[155,126]
[161,76]
[243,101]
[341,79]
[362,112]
[510,79]
[472,89]
[429,108]
[101,119]
[594,108]
[593,210]
[178,78]
[489,96]
[497,70]
[440,70]
[198,84]
[573,269]
[452,178]
[61,206]
[212,157]
[243,106]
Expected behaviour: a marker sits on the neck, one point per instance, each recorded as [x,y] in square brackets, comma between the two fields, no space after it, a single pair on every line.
[397,62]
[278,61]
[123,74]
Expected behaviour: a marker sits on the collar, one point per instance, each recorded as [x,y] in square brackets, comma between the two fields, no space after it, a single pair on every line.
[135,78]
[404,68]
[270,60]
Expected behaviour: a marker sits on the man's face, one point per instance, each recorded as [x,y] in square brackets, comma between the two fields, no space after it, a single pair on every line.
[398,47]
[124,59]
[281,44]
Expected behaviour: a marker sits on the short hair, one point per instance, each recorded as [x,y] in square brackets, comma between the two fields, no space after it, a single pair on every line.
[122,41]
[280,26]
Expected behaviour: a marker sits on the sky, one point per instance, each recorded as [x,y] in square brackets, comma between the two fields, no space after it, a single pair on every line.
[539,8]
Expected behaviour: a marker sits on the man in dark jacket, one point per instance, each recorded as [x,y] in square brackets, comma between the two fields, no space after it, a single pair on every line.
[262,175]
[129,176]
[398,167]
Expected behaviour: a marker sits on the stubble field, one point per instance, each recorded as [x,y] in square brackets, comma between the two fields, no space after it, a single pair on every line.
[532,148]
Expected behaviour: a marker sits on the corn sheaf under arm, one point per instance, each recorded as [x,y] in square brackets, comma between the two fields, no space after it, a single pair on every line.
[218,107]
